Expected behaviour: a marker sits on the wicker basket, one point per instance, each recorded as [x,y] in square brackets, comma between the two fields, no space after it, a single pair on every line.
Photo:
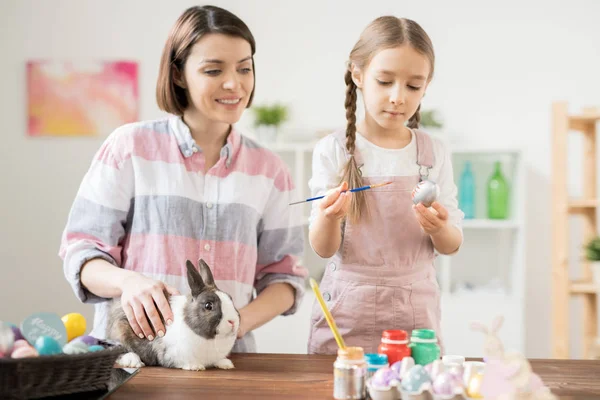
[29,378]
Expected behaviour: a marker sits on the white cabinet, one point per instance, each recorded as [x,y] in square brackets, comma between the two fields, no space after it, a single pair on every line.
[486,278]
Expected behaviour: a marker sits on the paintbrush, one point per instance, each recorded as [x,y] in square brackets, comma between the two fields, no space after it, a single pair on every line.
[328,317]
[351,190]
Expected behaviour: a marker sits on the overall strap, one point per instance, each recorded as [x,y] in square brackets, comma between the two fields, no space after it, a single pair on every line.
[425,156]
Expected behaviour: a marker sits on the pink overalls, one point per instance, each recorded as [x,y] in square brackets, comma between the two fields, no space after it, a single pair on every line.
[383,275]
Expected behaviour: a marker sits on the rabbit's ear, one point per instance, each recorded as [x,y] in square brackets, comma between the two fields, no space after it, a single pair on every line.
[478,326]
[497,323]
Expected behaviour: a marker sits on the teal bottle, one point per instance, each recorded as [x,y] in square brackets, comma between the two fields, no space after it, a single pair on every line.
[466,192]
[497,189]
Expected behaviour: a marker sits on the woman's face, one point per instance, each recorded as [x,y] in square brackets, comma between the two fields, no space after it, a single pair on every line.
[219,78]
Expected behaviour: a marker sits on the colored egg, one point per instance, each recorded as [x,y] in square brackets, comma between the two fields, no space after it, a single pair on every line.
[426,192]
[16,331]
[74,324]
[383,377]
[446,384]
[403,366]
[24,352]
[47,346]
[75,347]
[434,369]
[474,387]
[87,339]
[20,343]
[415,379]
[7,339]
[95,347]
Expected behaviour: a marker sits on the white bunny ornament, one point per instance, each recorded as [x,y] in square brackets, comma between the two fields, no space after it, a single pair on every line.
[507,375]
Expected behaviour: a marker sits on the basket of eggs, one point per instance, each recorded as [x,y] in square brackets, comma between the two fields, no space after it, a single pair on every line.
[50,356]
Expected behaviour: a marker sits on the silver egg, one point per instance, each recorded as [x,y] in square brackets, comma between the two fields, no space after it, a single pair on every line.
[426,192]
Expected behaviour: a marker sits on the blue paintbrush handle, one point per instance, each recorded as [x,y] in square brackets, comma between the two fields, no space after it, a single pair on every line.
[320,197]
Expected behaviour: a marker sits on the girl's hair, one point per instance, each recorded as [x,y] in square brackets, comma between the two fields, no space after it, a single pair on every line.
[383,33]
[192,25]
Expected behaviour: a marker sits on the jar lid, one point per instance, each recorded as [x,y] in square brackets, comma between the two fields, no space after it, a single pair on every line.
[395,334]
[376,359]
[423,334]
[351,353]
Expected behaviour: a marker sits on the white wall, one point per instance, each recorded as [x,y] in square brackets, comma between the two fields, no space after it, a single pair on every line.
[499,67]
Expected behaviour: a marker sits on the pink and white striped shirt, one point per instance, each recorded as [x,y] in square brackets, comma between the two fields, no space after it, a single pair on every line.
[147,205]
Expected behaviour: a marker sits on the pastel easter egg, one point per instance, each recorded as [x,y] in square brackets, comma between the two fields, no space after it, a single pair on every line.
[24,352]
[7,339]
[75,347]
[415,379]
[20,343]
[403,366]
[434,369]
[87,339]
[74,324]
[44,324]
[446,384]
[426,192]
[383,377]
[47,346]
[95,347]
[16,331]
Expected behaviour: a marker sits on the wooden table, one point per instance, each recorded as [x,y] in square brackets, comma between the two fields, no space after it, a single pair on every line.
[299,376]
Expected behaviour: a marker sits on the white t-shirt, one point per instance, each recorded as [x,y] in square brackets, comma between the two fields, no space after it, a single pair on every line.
[329,160]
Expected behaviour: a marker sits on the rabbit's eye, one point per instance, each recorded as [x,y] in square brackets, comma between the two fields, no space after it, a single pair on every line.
[208,305]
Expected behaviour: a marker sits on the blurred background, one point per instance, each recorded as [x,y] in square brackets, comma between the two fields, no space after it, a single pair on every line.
[500,68]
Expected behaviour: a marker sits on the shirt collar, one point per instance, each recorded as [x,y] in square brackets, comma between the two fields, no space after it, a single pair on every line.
[187,144]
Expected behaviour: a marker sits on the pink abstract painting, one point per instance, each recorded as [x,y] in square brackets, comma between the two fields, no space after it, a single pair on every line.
[80,99]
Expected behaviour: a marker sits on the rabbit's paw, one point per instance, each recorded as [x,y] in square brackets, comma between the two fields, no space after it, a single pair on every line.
[224,364]
[193,367]
[130,360]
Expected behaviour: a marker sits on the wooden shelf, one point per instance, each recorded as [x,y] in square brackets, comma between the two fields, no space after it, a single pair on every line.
[563,288]
[580,287]
[582,205]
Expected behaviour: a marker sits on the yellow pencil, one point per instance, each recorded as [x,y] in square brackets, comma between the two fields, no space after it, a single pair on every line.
[328,317]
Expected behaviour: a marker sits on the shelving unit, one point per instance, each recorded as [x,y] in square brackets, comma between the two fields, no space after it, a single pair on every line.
[504,239]
[564,207]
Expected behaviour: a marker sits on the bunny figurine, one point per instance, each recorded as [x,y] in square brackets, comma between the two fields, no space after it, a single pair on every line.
[507,375]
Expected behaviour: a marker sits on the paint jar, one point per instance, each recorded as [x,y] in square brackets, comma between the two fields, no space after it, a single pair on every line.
[349,374]
[394,344]
[424,346]
[374,362]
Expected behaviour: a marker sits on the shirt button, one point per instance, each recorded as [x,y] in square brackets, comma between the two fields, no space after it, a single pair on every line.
[209,205]
[207,247]
[326,296]
[332,266]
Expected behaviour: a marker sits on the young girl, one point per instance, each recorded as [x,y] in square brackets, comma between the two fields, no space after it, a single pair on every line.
[381,274]
[188,186]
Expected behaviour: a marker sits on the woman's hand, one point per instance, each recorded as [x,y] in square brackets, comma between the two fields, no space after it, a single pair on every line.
[144,299]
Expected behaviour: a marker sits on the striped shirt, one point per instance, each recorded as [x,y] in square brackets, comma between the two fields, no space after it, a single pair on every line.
[146,204]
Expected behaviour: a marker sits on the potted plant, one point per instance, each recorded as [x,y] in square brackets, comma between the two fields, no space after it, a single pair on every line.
[592,254]
[430,121]
[267,119]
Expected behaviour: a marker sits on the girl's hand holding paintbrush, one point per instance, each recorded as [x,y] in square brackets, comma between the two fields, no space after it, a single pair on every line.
[336,202]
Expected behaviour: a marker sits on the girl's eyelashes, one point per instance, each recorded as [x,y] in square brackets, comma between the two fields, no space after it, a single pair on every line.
[414,88]
[383,83]
[388,83]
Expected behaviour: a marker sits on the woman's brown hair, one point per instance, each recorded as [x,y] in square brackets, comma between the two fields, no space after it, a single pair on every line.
[383,33]
[193,24]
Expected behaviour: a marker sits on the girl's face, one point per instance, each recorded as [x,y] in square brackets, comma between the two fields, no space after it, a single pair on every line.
[219,78]
[393,85]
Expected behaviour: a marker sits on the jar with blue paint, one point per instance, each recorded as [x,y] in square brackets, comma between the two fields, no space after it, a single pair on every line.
[374,362]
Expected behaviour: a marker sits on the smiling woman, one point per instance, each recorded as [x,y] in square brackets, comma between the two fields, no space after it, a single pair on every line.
[188,187]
